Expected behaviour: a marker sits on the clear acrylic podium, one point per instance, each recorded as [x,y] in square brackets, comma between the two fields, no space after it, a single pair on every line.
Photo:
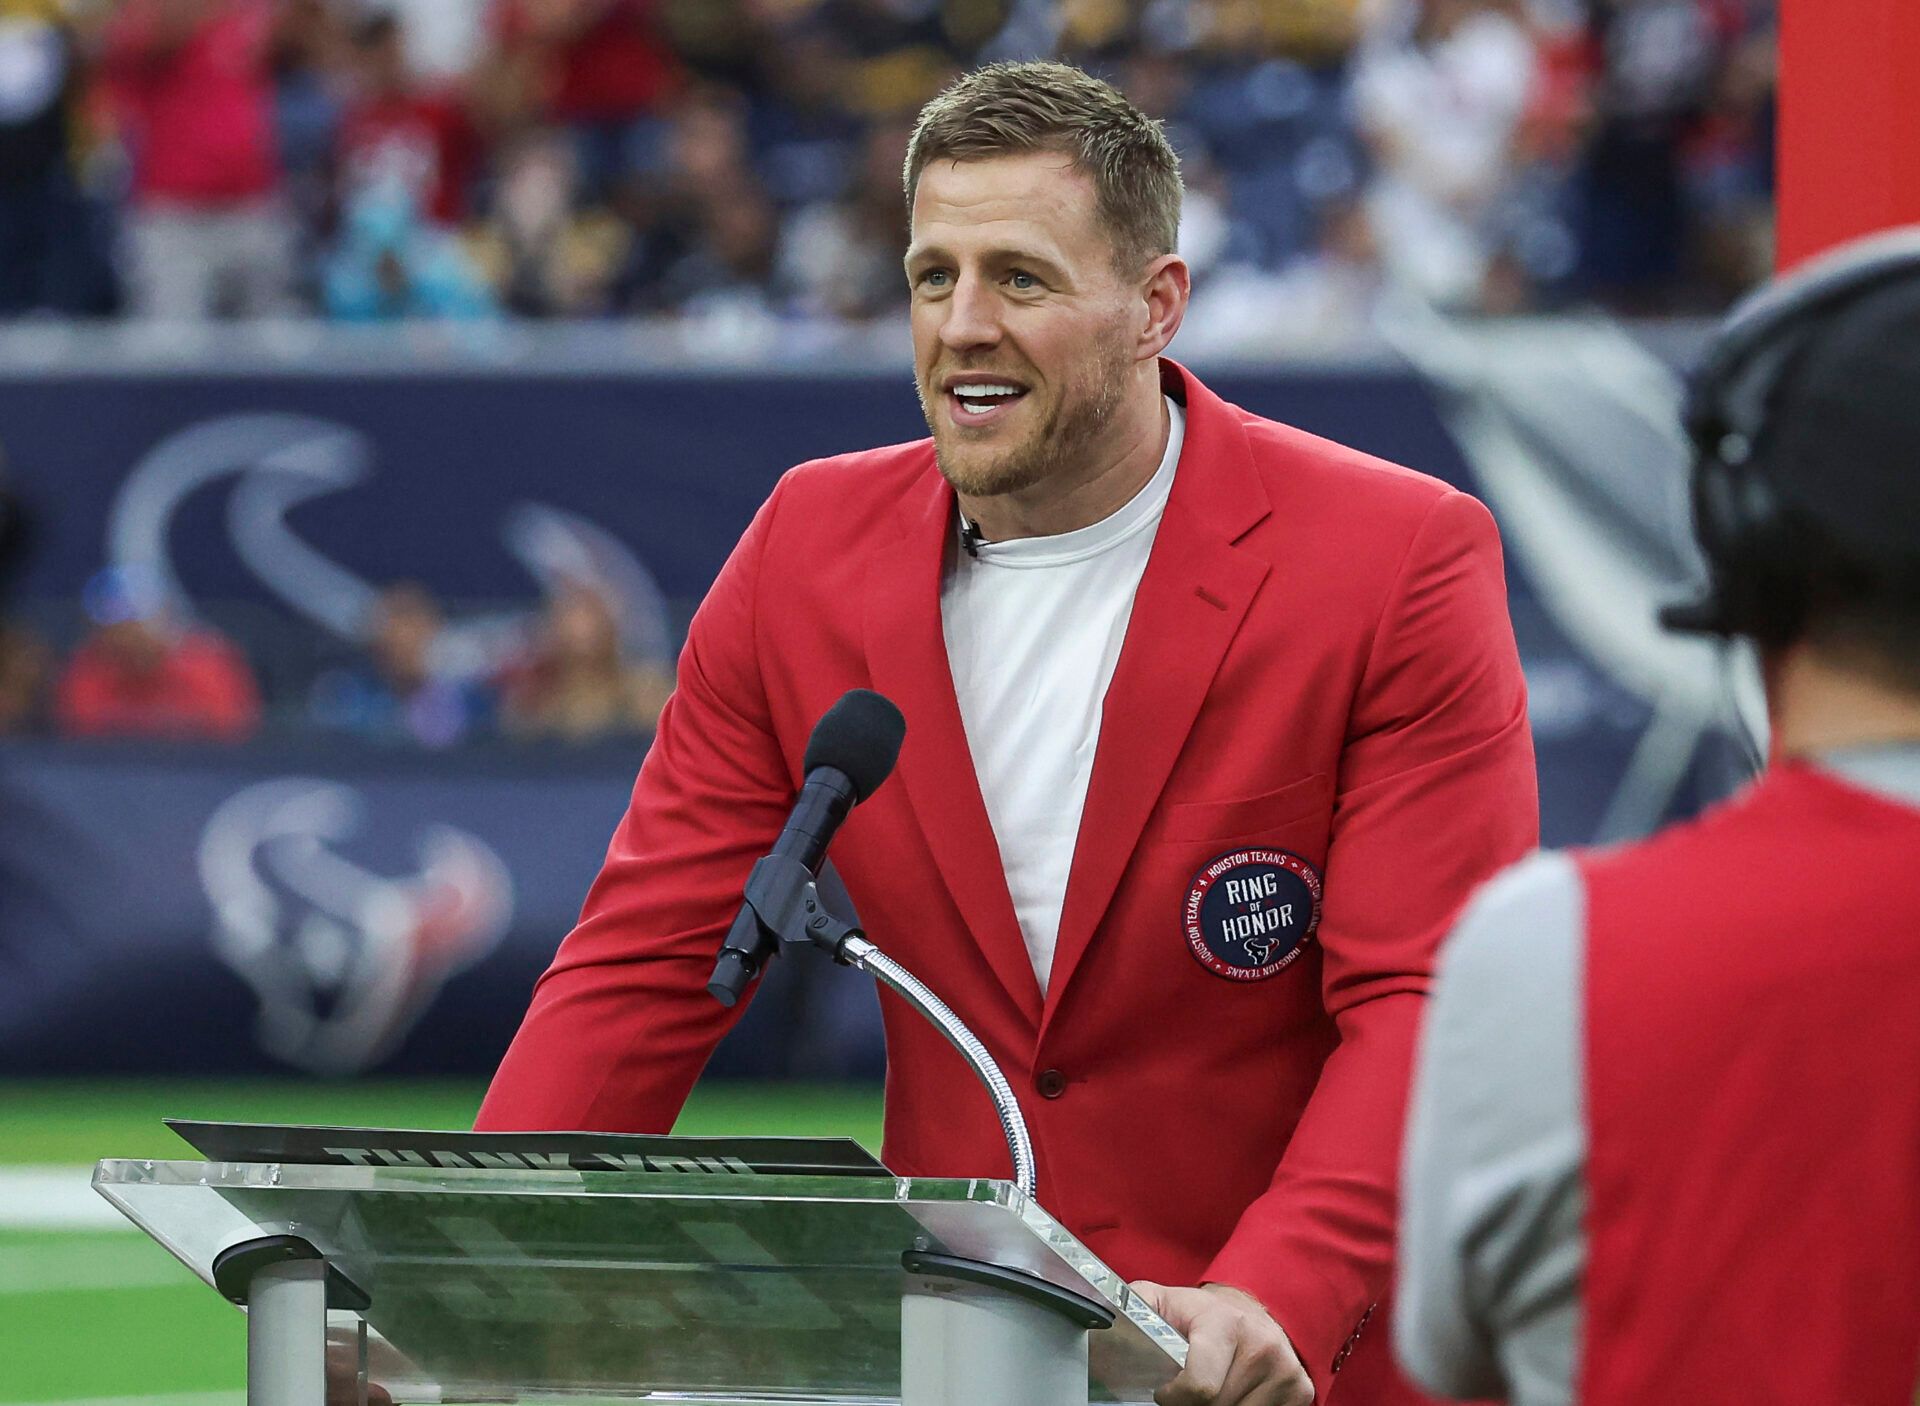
[516,1284]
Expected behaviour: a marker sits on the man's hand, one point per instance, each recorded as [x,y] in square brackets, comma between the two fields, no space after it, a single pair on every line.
[1236,1354]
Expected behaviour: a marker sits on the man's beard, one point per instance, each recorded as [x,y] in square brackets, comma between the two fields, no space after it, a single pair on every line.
[1069,434]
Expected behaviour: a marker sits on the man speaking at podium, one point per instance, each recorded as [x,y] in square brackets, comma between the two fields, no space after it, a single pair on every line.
[1211,725]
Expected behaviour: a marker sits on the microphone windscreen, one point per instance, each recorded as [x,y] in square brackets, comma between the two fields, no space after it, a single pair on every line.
[860,735]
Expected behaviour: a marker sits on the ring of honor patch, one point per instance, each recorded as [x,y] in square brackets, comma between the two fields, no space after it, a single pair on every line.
[1249,913]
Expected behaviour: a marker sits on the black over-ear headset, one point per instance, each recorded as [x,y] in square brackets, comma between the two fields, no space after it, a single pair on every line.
[1731,414]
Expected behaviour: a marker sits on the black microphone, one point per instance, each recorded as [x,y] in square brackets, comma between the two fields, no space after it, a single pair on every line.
[852,750]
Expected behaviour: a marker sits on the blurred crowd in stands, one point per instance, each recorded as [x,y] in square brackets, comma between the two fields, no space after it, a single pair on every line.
[738,160]
[140,666]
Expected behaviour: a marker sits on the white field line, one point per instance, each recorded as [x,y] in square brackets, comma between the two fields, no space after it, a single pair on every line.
[55,1198]
[182,1398]
[103,1263]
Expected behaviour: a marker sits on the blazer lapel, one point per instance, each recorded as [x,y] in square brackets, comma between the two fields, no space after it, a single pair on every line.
[1189,606]
[907,657]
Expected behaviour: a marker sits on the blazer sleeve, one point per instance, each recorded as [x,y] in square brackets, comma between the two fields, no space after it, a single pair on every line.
[1436,792]
[621,1024]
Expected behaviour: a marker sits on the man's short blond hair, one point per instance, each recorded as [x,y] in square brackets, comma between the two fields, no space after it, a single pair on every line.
[1008,108]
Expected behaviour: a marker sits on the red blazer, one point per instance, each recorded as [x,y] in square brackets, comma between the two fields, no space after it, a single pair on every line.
[1319,661]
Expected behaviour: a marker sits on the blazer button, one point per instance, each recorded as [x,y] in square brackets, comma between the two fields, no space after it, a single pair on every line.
[1051,1083]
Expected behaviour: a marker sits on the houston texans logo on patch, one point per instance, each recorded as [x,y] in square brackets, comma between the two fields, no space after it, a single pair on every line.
[1249,913]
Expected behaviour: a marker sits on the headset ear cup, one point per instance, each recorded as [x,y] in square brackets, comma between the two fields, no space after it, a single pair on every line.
[1752,546]
[1717,527]
[1738,521]
[1716,508]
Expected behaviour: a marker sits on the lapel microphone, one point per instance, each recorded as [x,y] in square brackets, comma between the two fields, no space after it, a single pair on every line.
[970,537]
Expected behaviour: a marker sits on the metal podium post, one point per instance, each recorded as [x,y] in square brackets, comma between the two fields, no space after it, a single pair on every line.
[964,1344]
[287,1335]
[287,1286]
[971,1331]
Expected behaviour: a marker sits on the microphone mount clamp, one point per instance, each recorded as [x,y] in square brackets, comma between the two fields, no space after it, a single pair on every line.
[785,897]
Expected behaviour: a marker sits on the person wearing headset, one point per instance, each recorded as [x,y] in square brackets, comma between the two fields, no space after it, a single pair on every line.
[1665,1135]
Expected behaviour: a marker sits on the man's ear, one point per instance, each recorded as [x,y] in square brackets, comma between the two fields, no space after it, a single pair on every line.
[1165,287]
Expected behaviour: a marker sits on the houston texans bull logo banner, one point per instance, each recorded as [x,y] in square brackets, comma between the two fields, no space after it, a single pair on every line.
[343,958]
[1250,913]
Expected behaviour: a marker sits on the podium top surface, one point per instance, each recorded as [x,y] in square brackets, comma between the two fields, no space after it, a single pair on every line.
[325,1145]
[698,1283]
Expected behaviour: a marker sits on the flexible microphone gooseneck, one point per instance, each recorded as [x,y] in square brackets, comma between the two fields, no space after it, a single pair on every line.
[851,751]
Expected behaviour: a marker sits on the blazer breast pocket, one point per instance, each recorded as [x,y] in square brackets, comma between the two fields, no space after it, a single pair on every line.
[1261,817]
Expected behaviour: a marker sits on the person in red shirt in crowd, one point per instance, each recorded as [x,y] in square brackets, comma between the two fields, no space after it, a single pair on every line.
[602,69]
[141,673]
[189,83]
[400,133]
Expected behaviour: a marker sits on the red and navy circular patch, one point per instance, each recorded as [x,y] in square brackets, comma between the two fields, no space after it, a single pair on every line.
[1249,913]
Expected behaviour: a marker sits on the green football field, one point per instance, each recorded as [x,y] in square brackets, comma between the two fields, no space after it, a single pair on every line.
[95,1315]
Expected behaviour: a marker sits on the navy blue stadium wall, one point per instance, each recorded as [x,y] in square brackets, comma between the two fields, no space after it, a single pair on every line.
[289,905]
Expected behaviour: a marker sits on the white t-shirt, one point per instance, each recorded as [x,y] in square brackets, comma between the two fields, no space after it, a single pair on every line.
[1033,629]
